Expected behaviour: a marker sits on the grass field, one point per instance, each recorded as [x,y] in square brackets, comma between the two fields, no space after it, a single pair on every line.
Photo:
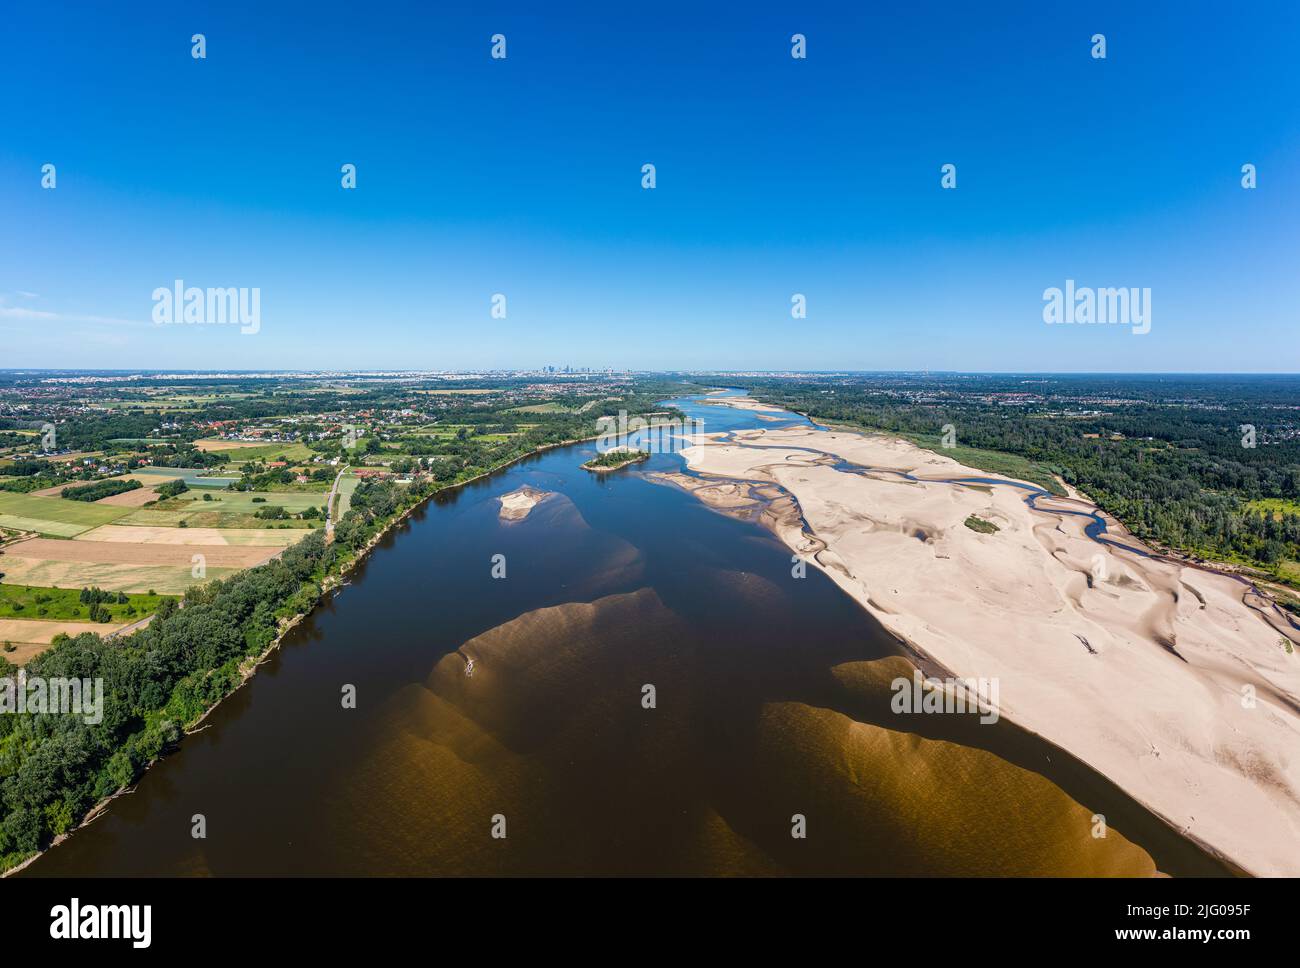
[54,491]
[346,487]
[195,516]
[246,500]
[161,474]
[163,405]
[192,476]
[542,408]
[176,401]
[54,516]
[1279,507]
[1289,570]
[227,509]
[62,604]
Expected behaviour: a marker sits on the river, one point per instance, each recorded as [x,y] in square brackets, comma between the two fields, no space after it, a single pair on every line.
[770,703]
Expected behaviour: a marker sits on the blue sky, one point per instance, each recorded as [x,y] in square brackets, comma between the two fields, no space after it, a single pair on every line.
[775,176]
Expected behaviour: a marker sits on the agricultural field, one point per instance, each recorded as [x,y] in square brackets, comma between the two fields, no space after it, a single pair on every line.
[131,566]
[22,639]
[130,499]
[144,534]
[219,444]
[120,547]
[111,576]
[134,553]
[139,542]
[175,402]
[54,516]
[242,450]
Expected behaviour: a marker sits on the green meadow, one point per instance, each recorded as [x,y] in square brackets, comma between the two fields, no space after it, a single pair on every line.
[65,605]
[54,516]
[346,487]
[195,516]
[291,453]
[243,500]
[1279,507]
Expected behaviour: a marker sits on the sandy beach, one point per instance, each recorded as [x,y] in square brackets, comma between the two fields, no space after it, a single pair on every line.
[519,503]
[1174,682]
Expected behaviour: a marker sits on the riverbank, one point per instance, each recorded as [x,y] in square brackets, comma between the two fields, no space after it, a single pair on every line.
[1172,681]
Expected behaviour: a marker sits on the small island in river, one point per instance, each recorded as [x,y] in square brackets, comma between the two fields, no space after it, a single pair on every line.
[616,459]
[516,505]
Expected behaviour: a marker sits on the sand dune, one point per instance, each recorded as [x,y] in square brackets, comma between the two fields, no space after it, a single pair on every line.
[1143,668]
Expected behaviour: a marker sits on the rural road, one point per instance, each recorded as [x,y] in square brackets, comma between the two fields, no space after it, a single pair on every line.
[329,503]
[128,629]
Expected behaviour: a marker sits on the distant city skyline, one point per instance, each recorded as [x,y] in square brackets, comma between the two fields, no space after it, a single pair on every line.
[776,177]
